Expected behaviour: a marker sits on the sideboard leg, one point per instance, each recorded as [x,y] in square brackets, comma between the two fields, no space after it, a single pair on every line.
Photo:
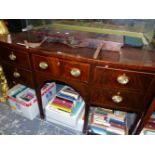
[86,118]
[133,129]
[38,94]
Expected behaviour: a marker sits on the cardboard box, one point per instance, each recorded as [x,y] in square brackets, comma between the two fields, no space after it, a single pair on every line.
[23,99]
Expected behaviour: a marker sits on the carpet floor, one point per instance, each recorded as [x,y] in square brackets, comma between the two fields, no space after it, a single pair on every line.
[14,124]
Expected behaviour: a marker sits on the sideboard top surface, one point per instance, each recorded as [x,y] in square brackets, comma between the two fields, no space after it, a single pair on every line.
[126,56]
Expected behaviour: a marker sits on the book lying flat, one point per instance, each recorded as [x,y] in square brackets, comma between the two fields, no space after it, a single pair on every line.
[62,108]
[62,102]
[66,97]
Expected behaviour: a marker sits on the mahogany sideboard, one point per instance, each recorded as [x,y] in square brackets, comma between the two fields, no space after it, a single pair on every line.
[123,80]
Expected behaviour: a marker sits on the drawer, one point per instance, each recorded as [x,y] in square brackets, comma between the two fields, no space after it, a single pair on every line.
[119,99]
[15,57]
[46,64]
[60,68]
[122,79]
[16,75]
[75,70]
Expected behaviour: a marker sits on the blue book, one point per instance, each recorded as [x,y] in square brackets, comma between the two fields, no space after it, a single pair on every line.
[66,97]
[98,130]
[116,121]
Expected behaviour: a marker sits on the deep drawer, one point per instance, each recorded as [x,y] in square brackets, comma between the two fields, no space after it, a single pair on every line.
[118,99]
[17,75]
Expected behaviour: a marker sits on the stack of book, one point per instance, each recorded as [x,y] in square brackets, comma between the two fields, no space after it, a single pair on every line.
[106,121]
[149,128]
[65,100]
[66,109]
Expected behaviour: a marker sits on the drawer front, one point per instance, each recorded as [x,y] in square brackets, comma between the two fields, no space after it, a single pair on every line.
[15,57]
[46,64]
[16,75]
[113,98]
[75,70]
[122,79]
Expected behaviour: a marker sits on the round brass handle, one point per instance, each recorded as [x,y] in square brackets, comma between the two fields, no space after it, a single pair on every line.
[16,74]
[123,79]
[75,72]
[43,65]
[12,56]
[117,98]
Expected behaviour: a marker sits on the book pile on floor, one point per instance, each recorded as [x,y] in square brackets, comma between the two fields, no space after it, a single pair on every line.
[105,121]
[149,128]
[67,109]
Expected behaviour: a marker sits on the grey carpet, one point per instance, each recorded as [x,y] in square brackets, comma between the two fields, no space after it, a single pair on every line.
[14,124]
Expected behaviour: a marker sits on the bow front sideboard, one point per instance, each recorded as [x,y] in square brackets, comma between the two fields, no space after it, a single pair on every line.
[123,80]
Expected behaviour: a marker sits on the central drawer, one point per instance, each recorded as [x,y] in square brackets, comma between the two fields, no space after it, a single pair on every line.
[70,70]
[73,70]
[15,57]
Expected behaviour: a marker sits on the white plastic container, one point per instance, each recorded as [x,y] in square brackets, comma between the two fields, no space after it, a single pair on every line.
[29,109]
[78,126]
[56,116]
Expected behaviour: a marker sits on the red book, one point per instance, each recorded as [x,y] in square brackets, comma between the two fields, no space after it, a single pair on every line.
[62,102]
[119,126]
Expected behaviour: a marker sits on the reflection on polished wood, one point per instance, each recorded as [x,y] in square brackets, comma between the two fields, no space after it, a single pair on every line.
[4,85]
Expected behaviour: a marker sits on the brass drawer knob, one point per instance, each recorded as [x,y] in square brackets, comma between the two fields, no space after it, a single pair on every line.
[43,65]
[12,56]
[75,72]
[123,79]
[16,74]
[117,98]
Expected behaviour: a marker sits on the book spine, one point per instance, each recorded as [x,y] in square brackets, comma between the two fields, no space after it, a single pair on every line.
[117,122]
[62,105]
[69,94]
[63,102]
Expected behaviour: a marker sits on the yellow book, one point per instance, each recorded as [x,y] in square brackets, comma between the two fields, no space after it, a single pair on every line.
[61,108]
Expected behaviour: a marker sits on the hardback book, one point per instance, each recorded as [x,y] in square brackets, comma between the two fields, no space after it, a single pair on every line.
[62,108]
[111,120]
[62,102]
[66,97]
[69,94]
[117,117]
[69,90]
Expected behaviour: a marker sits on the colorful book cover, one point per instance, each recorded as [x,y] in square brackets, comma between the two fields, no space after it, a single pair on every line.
[63,102]
[69,94]
[61,108]
[66,97]
[70,90]
[111,120]
[27,96]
